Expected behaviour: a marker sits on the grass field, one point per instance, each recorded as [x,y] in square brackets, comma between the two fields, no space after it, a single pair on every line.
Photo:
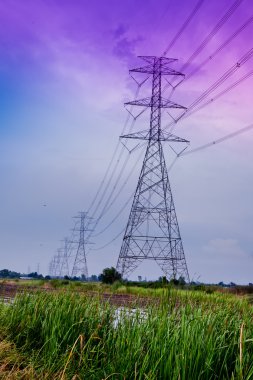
[186,335]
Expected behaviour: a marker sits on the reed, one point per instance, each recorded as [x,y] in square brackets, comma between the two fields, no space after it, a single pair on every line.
[186,335]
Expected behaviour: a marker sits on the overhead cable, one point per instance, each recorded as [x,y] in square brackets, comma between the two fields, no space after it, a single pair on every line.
[220,48]
[221,93]
[213,32]
[218,141]
[183,27]
[111,163]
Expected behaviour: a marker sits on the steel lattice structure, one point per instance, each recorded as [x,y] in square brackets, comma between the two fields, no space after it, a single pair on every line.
[152,231]
[64,264]
[80,263]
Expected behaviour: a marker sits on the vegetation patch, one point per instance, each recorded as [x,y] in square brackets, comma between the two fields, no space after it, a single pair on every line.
[187,335]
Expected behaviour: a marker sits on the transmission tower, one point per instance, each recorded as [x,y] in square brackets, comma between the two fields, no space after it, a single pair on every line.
[152,230]
[51,267]
[80,263]
[64,271]
[55,265]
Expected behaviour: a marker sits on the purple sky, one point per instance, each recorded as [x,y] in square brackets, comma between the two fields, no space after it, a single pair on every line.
[63,81]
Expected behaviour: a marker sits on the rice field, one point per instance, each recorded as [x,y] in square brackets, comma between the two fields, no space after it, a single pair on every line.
[179,335]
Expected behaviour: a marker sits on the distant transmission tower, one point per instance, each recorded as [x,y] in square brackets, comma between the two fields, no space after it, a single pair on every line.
[64,271]
[80,263]
[55,266]
[152,230]
[51,267]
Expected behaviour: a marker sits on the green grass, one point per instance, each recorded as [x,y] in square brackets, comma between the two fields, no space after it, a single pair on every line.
[187,335]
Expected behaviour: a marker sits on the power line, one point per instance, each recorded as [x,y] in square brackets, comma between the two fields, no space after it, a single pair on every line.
[221,93]
[115,198]
[183,27]
[200,48]
[213,32]
[120,211]
[220,48]
[210,57]
[107,184]
[105,209]
[116,216]
[110,164]
[206,40]
[191,109]
[222,79]
[110,242]
[113,188]
[218,141]
[125,182]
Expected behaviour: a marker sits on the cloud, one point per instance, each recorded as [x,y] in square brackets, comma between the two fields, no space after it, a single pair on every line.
[126,48]
[120,31]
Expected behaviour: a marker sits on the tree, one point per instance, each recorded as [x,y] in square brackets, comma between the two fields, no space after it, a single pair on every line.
[181,281]
[163,280]
[110,275]
[6,273]
[35,275]
[93,278]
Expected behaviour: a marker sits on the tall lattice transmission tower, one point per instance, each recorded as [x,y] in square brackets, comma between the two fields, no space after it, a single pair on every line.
[80,264]
[64,258]
[55,265]
[152,230]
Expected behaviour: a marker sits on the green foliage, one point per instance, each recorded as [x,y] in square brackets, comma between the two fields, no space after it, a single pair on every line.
[188,335]
[56,283]
[110,275]
[35,275]
[6,273]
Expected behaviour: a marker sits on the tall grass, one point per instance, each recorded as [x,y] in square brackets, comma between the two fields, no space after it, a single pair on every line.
[187,335]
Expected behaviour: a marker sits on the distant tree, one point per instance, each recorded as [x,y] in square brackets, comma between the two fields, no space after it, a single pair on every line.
[110,275]
[6,273]
[35,275]
[163,280]
[13,274]
[93,278]
[181,281]
[32,274]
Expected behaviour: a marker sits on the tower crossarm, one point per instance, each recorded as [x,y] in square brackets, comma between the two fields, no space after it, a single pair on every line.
[147,102]
[151,58]
[150,69]
[164,136]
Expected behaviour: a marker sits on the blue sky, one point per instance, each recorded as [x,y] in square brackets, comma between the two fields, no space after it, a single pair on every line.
[63,81]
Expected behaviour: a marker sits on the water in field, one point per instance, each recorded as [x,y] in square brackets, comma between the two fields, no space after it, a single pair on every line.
[122,313]
[7,300]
